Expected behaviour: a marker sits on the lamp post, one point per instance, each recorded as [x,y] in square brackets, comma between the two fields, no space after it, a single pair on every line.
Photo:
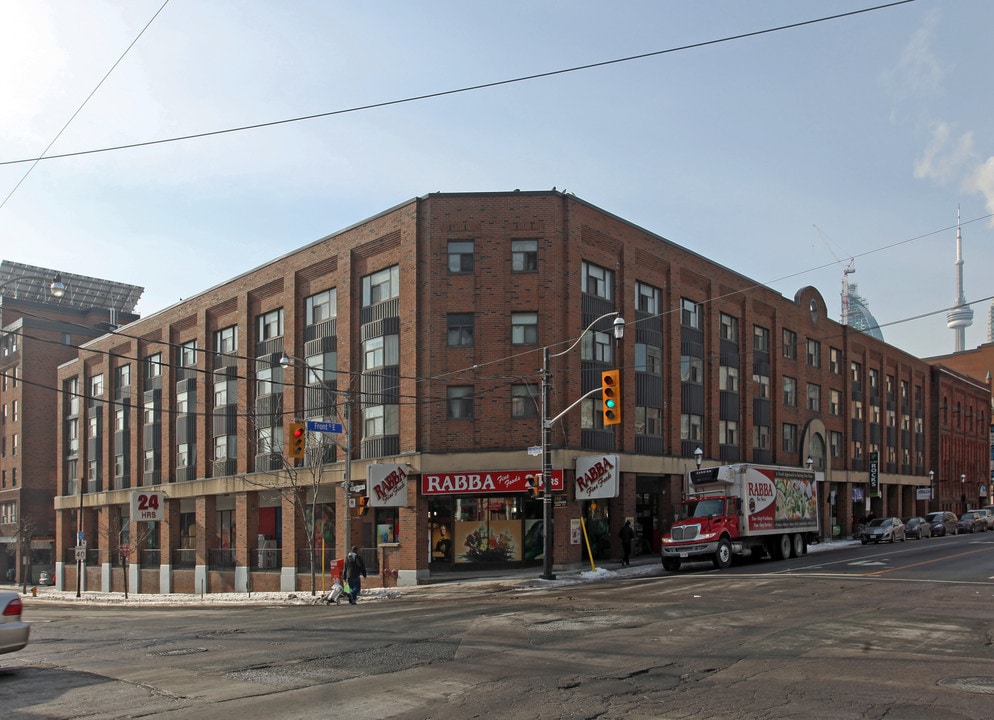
[962,480]
[285,361]
[56,287]
[698,456]
[931,488]
[547,422]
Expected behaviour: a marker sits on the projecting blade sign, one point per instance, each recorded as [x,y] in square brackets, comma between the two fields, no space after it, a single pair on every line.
[597,477]
[387,484]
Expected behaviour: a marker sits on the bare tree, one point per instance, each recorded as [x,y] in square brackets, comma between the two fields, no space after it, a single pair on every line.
[128,547]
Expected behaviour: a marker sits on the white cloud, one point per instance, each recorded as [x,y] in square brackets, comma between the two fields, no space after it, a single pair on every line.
[946,156]
[982,181]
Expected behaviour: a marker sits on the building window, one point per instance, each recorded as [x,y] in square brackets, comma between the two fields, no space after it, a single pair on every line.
[122,377]
[835,441]
[692,427]
[857,409]
[728,378]
[92,427]
[648,421]
[760,339]
[97,386]
[270,324]
[380,420]
[460,256]
[814,397]
[648,359]
[459,401]
[183,403]
[814,353]
[597,281]
[874,377]
[149,465]
[225,447]
[524,328]
[321,306]
[690,314]
[120,419]
[647,298]
[835,402]
[762,383]
[268,379]
[184,455]
[524,401]
[597,346]
[153,366]
[789,391]
[835,361]
[728,432]
[789,344]
[761,437]
[226,340]
[789,438]
[381,285]
[188,354]
[460,329]
[691,369]
[382,351]
[856,371]
[729,328]
[524,256]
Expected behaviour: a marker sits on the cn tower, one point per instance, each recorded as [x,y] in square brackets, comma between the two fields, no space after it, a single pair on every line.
[960,316]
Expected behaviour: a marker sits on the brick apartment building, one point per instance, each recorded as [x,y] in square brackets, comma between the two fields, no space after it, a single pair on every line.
[421,332]
[40,331]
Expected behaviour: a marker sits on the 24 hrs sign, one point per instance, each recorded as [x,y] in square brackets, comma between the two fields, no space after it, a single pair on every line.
[148,506]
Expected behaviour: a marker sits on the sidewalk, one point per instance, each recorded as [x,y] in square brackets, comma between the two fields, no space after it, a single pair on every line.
[441,584]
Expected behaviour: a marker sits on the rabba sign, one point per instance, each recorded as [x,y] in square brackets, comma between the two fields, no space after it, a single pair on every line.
[387,485]
[597,477]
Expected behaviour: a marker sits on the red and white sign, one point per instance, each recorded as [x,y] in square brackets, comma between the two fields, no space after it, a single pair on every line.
[387,485]
[495,482]
[597,477]
[148,506]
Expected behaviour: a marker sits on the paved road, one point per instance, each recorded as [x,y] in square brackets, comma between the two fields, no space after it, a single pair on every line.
[901,631]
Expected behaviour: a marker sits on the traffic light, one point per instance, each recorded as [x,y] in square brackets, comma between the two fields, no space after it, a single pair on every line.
[534,483]
[611,396]
[298,439]
[362,505]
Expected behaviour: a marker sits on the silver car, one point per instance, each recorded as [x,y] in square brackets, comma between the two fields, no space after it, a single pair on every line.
[987,515]
[887,529]
[13,632]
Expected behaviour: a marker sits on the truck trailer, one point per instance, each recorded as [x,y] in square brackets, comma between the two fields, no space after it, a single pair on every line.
[744,510]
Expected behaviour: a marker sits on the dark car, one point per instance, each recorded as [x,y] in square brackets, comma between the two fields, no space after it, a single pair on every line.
[971,522]
[887,529]
[942,523]
[917,528]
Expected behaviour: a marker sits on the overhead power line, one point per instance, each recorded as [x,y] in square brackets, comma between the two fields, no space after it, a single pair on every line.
[466,89]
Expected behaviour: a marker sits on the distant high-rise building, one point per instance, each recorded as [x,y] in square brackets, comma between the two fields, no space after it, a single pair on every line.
[859,315]
[960,316]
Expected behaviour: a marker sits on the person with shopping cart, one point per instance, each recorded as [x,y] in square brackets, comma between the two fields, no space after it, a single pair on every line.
[355,569]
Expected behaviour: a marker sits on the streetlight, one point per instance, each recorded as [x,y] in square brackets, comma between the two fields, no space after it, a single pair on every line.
[811,463]
[931,487]
[547,422]
[962,479]
[698,456]
[285,361]
[56,287]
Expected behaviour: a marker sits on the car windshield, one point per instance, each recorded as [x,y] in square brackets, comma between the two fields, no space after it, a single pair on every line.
[912,521]
[966,516]
[935,517]
[879,522]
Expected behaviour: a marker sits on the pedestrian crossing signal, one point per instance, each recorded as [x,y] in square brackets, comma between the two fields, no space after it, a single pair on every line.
[535,484]
[362,505]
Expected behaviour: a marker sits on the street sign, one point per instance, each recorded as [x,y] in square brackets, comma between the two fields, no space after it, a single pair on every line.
[535,450]
[80,554]
[81,538]
[357,488]
[327,427]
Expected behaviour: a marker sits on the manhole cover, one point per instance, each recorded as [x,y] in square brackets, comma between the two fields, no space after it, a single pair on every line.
[178,651]
[975,684]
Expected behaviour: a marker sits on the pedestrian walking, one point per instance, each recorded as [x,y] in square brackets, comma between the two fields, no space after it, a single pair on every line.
[627,534]
[355,569]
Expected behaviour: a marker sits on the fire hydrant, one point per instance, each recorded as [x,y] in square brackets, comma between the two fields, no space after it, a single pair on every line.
[34,591]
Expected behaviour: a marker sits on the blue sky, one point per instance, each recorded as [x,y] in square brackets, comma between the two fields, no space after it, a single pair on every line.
[774,154]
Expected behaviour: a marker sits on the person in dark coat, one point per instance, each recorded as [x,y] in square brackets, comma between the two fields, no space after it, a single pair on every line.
[627,534]
[355,569]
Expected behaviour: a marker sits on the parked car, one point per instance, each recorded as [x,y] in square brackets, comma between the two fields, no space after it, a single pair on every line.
[887,529]
[13,632]
[987,515]
[971,522]
[942,523]
[917,528]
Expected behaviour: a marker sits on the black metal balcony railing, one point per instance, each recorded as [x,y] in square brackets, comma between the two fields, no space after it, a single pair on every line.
[184,558]
[150,558]
[221,559]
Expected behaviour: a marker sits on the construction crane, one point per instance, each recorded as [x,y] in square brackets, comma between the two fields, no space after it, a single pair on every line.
[847,270]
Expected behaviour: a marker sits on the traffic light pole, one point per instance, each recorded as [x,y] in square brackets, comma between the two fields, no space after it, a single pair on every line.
[547,423]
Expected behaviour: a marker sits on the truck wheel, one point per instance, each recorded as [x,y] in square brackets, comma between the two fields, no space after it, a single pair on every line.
[797,545]
[671,564]
[781,547]
[723,556]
